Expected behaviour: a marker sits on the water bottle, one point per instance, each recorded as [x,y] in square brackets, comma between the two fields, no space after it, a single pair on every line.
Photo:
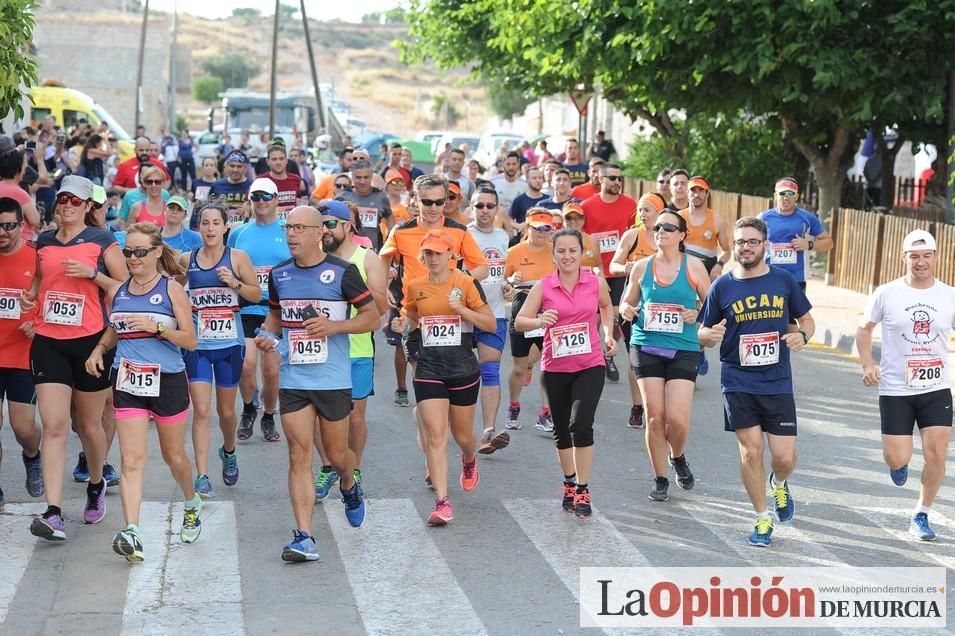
[280,345]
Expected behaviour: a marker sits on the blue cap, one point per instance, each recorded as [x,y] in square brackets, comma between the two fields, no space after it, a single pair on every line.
[332,207]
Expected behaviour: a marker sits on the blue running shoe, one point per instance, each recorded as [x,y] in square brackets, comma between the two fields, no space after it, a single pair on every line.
[110,475]
[230,467]
[919,527]
[354,505]
[204,487]
[899,475]
[324,481]
[704,367]
[762,535]
[82,471]
[302,548]
[49,527]
[34,475]
[785,506]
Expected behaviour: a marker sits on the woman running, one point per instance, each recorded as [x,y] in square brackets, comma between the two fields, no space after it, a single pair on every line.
[668,288]
[565,304]
[447,304]
[150,324]
[152,209]
[217,277]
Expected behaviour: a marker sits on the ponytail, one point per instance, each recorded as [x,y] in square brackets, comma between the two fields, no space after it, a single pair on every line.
[169,261]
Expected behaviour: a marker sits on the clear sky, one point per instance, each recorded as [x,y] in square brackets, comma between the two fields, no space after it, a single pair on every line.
[317,9]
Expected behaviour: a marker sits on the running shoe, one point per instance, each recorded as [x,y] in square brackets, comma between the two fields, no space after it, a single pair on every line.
[492,441]
[230,467]
[49,527]
[785,506]
[82,471]
[570,492]
[354,505]
[920,529]
[659,491]
[191,524]
[704,368]
[684,477]
[110,475]
[302,548]
[204,487]
[470,477]
[582,509]
[513,413]
[246,423]
[324,481]
[762,535]
[613,374]
[636,416]
[95,505]
[401,397]
[34,477]
[899,475]
[126,544]
[442,514]
[267,423]
[545,423]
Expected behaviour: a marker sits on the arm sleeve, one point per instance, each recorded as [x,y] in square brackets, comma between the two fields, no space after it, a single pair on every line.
[354,287]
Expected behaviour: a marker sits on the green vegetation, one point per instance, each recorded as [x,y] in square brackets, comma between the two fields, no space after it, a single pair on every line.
[207,89]
[234,69]
[17,69]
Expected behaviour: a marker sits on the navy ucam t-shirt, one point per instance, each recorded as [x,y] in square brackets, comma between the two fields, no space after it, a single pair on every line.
[757,312]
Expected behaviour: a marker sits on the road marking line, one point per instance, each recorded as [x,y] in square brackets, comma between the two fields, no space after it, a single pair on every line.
[18,545]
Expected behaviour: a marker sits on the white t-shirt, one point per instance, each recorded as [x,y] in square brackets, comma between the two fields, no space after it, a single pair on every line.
[507,191]
[916,324]
[494,246]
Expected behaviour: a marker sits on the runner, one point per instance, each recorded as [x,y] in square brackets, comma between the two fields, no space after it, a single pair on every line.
[336,240]
[586,190]
[565,304]
[373,204]
[152,209]
[574,162]
[509,186]
[68,290]
[150,325]
[17,268]
[288,186]
[526,263]
[310,296]
[679,190]
[749,314]
[174,233]
[218,276]
[572,216]
[233,189]
[447,304]
[635,244]
[326,187]
[664,350]
[561,193]
[493,243]
[264,240]
[917,313]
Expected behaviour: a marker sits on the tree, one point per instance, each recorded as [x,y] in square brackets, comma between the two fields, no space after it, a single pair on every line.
[506,101]
[287,11]
[18,69]
[246,13]
[234,69]
[207,89]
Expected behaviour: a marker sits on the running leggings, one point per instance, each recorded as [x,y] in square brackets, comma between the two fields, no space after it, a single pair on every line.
[573,404]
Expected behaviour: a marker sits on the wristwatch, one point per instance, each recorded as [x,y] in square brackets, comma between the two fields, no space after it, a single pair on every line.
[812,243]
[161,329]
[805,338]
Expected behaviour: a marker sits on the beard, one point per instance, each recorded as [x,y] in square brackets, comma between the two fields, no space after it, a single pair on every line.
[751,262]
[332,245]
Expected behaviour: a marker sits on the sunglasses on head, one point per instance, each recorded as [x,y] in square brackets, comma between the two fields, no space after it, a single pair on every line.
[153,181]
[261,196]
[483,206]
[428,203]
[666,227]
[9,226]
[72,199]
[139,252]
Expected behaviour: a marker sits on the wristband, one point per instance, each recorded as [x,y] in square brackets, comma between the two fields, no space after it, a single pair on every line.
[95,274]
[805,338]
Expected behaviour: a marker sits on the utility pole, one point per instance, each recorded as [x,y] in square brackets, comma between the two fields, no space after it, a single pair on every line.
[275,55]
[311,62]
[172,65]
[139,71]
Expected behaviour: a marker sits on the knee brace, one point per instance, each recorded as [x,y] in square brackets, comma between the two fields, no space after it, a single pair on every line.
[491,373]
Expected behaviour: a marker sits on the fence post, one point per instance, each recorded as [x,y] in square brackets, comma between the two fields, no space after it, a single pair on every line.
[877,269]
[833,253]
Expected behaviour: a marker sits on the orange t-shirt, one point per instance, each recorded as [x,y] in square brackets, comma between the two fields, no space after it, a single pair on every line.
[399,212]
[325,188]
[591,256]
[16,274]
[431,299]
[404,243]
[641,247]
[584,191]
[534,263]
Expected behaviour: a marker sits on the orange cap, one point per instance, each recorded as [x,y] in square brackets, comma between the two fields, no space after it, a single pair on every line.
[538,219]
[437,242]
[698,182]
[455,188]
[393,175]
[572,207]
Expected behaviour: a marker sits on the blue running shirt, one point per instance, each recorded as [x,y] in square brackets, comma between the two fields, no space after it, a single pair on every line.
[266,246]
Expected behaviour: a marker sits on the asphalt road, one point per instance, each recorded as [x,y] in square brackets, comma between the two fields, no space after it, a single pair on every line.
[509,563]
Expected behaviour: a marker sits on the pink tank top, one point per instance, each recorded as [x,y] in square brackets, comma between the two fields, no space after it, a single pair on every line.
[573,343]
[145,216]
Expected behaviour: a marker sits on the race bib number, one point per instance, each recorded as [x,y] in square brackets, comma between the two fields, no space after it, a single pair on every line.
[663,318]
[236,217]
[304,349]
[441,331]
[10,304]
[281,215]
[782,254]
[570,340]
[924,373]
[759,349]
[535,333]
[138,378]
[368,217]
[262,277]
[495,268]
[60,308]
[217,324]
[607,241]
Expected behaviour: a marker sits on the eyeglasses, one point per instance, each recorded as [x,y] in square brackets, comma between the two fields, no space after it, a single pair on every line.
[139,252]
[153,182]
[747,242]
[72,199]
[261,196]
[542,228]
[666,227]
[331,224]
[612,177]
[430,203]
[482,206]
[344,186]
[787,194]
[9,226]
[298,228]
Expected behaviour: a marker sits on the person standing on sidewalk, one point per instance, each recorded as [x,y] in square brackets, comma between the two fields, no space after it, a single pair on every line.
[917,313]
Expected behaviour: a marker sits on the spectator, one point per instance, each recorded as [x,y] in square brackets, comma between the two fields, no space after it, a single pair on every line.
[602,147]
[92,156]
[187,164]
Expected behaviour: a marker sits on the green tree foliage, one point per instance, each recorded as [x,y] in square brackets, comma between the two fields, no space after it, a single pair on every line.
[182,123]
[234,69]
[247,13]
[206,89]
[17,69]
[505,101]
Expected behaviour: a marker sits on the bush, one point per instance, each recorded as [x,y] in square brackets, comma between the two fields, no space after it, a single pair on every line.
[206,89]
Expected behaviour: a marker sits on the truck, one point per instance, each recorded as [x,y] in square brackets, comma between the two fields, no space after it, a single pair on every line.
[295,114]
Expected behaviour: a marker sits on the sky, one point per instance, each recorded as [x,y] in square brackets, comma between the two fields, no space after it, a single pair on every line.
[317,9]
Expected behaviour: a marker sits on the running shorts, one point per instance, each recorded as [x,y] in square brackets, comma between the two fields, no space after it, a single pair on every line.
[332,405]
[223,365]
[362,378]
[458,391]
[900,413]
[16,385]
[775,414]
[616,286]
[170,406]
[683,366]
[494,339]
[54,361]
[251,322]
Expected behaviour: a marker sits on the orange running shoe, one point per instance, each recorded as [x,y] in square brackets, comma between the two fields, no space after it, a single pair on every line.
[442,514]
[469,474]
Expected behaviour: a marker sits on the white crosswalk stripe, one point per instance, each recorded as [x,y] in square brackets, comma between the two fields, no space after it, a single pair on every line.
[17,550]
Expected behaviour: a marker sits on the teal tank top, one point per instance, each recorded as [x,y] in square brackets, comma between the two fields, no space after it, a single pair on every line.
[658,323]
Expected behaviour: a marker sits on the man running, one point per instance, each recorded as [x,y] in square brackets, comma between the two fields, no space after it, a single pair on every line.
[917,313]
[592,187]
[288,185]
[373,204]
[679,193]
[509,186]
[748,314]
[232,190]
[263,239]
[574,162]
[326,187]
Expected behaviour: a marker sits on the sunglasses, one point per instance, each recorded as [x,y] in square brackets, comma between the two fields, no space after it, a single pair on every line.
[747,242]
[453,197]
[666,227]
[542,228]
[661,181]
[429,203]
[400,182]
[483,206]
[97,206]
[331,224]
[9,226]
[298,228]
[788,194]
[72,199]
[344,186]
[612,177]
[139,252]
[152,182]
[261,196]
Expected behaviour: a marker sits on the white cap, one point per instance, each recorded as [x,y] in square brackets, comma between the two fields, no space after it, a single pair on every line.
[264,184]
[926,240]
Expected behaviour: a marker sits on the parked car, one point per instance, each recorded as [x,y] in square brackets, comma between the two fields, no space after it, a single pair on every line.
[457,139]
[491,142]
